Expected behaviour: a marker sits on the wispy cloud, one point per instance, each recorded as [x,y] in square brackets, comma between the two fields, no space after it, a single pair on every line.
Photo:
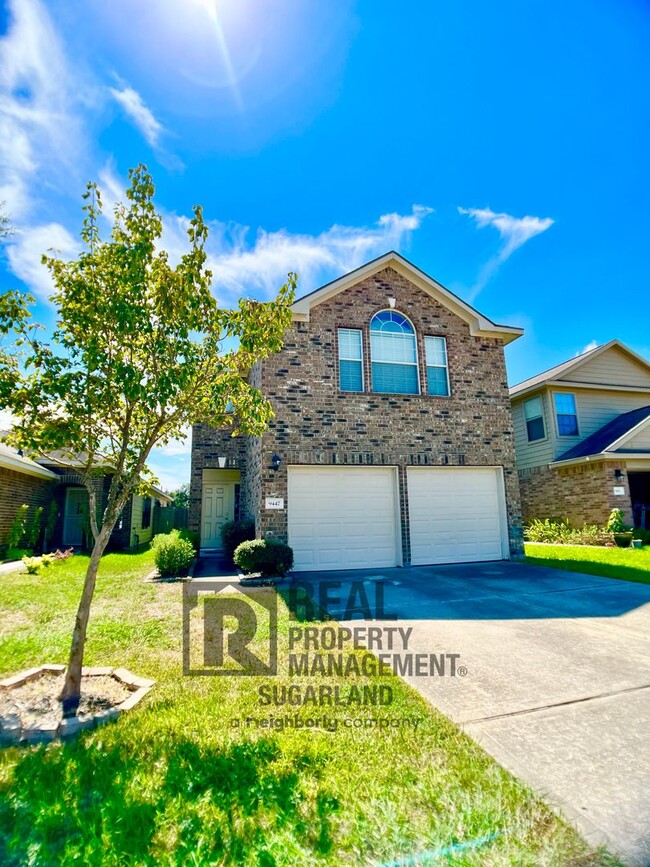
[40,129]
[139,113]
[259,266]
[593,344]
[514,232]
[26,252]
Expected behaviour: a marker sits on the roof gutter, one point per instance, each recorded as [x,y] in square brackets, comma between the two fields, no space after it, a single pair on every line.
[601,456]
[19,465]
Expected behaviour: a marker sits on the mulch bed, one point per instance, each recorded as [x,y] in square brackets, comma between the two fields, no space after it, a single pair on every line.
[38,700]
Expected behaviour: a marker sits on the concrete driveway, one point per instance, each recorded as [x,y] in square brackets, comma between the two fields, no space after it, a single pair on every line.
[557,687]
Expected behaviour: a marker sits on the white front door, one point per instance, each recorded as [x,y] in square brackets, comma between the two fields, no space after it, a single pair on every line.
[343,517]
[456,514]
[75,516]
[217,509]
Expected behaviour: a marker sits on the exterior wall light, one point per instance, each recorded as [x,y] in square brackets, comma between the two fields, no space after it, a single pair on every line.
[392,302]
[618,475]
[276,460]
[221,462]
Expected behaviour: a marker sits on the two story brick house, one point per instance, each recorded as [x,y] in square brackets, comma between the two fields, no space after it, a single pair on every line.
[582,436]
[392,442]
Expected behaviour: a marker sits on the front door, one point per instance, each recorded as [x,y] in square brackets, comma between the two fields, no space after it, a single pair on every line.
[218,508]
[74,520]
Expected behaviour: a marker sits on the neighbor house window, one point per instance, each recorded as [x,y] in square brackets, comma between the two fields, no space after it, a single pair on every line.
[437,372]
[146,513]
[350,360]
[534,415]
[567,417]
[393,354]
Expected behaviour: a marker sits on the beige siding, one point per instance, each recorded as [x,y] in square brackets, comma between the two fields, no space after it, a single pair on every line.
[611,368]
[595,409]
[539,452]
[640,442]
[136,521]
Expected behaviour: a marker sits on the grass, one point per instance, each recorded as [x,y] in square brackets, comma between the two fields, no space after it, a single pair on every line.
[180,781]
[628,564]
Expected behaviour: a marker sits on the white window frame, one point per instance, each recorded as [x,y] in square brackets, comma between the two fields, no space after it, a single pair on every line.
[341,358]
[403,363]
[445,366]
[543,417]
[555,413]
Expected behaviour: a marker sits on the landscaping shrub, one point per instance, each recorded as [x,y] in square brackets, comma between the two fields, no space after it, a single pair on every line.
[32,564]
[192,537]
[561,533]
[267,556]
[234,533]
[18,526]
[172,554]
[33,530]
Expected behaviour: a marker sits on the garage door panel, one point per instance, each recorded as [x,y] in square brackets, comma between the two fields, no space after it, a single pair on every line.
[342,517]
[456,515]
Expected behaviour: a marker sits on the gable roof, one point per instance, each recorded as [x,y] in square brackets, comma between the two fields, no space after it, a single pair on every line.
[609,437]
[480,326]
[573,364]
[11,459]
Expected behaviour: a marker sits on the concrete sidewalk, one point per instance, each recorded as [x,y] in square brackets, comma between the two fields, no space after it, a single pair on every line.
[557,684]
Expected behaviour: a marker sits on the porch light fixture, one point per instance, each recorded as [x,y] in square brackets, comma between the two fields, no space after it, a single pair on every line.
[392,302]
[276,460]
[222,462]
[618,475]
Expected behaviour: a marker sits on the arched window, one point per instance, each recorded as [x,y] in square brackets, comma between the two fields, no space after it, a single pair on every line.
[393,354]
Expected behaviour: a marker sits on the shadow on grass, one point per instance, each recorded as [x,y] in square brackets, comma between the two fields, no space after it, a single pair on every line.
[191,803]
[593,567]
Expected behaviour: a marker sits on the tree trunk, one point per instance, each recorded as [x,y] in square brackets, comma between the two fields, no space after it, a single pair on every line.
[71,693]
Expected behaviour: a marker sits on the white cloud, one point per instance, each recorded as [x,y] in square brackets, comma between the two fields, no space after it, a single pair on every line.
[260,266]
[27,248]
[40,130]
[139,113]
[514,232]
[593,344]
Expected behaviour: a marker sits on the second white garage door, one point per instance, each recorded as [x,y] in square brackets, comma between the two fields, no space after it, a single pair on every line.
[342,517]
[457,515]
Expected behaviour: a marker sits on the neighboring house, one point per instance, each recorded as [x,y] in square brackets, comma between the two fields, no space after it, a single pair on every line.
[392,442]
[56,478]
[582,434]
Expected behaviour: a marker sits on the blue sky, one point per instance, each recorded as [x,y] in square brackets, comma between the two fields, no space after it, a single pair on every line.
[503,147]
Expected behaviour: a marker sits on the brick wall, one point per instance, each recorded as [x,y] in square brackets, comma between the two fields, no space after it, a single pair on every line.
[208,445]
[317,424]
[17,489]
[582,494]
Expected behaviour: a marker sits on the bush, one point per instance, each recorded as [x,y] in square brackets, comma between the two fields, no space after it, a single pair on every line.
[32,564]
[267,556]
[172,554]
[192,537]
[18,526]
[615,524]
[561,533]
[234,533]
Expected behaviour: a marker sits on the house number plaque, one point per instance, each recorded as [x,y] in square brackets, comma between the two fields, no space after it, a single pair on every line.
[274,503]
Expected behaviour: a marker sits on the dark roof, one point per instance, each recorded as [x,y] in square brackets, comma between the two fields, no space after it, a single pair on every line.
[607,435]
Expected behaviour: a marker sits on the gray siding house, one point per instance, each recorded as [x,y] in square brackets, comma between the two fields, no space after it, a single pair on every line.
[582,437]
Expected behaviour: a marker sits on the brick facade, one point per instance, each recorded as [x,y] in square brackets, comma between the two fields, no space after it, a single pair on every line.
[582,494]
[317,424]
[17,489]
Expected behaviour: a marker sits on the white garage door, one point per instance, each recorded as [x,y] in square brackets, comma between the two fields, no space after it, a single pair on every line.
[457,515]
[342,517]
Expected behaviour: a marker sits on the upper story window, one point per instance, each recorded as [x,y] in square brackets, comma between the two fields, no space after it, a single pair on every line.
[437,371]
[566,414]
[350,360]
[534,415]
[393,354]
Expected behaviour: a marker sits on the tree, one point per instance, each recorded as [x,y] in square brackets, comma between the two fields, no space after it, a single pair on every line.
[181,496]
[135,358]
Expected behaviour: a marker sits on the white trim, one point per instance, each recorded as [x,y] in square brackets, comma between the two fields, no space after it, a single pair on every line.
[631,433]
[19,464]
[480,326]
[404,363]
[620,457]
[358,360]
[540,398]
[555,414]
[438,366]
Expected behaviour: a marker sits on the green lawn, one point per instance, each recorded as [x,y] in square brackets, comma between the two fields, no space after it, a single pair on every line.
[629,564]
[174,782]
